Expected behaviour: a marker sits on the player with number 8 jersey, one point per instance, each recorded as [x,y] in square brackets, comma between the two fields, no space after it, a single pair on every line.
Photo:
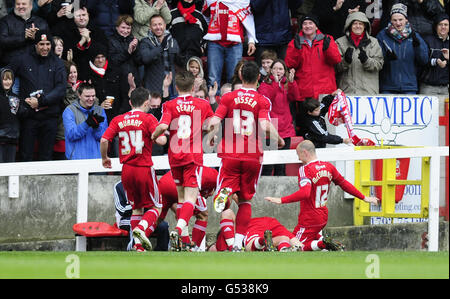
[184,118]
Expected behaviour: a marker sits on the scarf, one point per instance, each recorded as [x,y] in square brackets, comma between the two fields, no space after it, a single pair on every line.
[186,12]
[99,70]
[356,38]
[399,35]
[339,112]
[238,9]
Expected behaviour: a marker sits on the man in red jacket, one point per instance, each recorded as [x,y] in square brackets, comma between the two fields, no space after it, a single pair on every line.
[313,55]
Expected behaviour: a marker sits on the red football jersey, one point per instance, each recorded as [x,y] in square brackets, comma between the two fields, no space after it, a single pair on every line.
[185,116]
[241,110]
[135,130]
[314,180]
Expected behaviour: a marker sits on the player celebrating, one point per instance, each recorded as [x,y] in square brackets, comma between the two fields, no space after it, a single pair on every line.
[169,195]
[263,234]
[134,129]
[184,117]
[314,179]
[246,112]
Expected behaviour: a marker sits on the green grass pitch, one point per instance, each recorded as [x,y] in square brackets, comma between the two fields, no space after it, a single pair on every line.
[224,265]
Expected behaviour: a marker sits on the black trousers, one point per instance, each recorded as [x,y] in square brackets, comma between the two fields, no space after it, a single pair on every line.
[42,131]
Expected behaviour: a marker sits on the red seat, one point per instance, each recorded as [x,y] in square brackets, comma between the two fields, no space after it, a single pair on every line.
[98,229]
[292,168]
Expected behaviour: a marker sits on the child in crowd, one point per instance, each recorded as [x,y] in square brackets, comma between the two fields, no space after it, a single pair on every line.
[9,121]
[194,65]
[267,58]
[314,127]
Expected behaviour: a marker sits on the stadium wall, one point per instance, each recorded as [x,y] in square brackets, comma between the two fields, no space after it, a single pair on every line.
[42,218]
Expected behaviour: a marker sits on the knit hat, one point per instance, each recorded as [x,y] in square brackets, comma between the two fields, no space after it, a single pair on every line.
[399,8]
[311,18]
[42,35]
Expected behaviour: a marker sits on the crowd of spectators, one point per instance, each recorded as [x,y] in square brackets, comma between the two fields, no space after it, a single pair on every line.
[306,49]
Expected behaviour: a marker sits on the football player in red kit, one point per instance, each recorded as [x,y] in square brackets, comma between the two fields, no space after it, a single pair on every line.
[314,179]
[263,234]
[169,195]
[134,129]
[184,117]
[246,114]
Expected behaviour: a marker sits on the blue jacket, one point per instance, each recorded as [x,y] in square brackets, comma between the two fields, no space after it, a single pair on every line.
[400,75]
[82,141]
[273,21]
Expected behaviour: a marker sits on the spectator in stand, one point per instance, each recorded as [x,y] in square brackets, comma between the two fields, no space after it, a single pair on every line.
[421,14]
[9,117]
[123,48]
[195,66]
[3,8]
[143,11]
[71,96]
[273,25]
[41,8]
[188,27]
[59,46]
[404,51]
[434,79]
[280,88]
[61,11]
[111,85]
[313,55]
[83,38]
[43,86]
[362,58]
[17,32]
[333,13]
[84,125]
[313,125]
[104,13]
[158,52]
[267,58]
[228,22]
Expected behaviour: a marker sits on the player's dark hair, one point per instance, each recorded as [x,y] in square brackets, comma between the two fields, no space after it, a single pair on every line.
[139,96]
[311,104]
[250,72]
[184,81]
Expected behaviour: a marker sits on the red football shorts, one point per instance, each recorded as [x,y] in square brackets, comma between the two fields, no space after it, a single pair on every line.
[187,175]
[141,187]
[240,175]
[258,226]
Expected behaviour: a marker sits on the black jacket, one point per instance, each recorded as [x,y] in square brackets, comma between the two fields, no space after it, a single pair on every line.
[432,73]
[118,55]
[113,83]
[71,36]
[41,73]
[314,128]
[9,114]
[12,35]
[188,36]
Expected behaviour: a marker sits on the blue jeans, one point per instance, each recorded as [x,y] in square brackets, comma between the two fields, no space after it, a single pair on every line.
[219,56]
